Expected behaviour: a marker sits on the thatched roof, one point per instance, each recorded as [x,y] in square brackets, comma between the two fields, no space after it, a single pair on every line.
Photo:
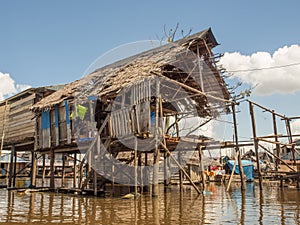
[174,62]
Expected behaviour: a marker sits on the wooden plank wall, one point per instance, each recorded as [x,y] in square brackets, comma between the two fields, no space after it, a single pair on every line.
[19,124]
[59,131]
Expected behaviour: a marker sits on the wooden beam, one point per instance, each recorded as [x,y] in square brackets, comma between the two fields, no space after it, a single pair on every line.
[272,142]
[233,169]
[266,109]
[263,147]
[181,168]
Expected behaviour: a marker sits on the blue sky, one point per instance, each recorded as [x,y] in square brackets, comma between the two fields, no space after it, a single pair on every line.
[53,42]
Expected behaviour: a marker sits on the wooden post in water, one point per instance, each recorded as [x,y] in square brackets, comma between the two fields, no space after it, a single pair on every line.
[237,149]
[276,139]
[63,169]
[15,169]
[255,143]
[95,182]
[166,170]
[52,160]
[201,167]
[33,168]
[155,187]
[180,172]
[289,133]
[11,165]
[135,168]
[74,170]
[44,170]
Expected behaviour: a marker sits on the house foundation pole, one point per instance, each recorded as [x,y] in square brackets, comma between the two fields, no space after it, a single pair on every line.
[74,170]
[237,149]
[33,169]
[276,139]
[63,169]
[15,168]
[155,187]
[11,166]
[201,167]
[255,143]
[52,168]
[44,170]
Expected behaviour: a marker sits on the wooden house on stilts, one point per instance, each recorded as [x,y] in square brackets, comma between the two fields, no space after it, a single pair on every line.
[18,127]
[125,117]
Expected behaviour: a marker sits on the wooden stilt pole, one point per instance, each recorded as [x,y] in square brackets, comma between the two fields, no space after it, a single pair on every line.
[44,170]
[95,182]
[135,168]
[166,170]
[289,133]
[75,170]
[232,172]
[11,166]
[155,188]
[63,169]
[15,169]
[180,172]
[276,139]
[255,143]
[52,160]
[181,168]
[33,169]
[237,149]
[201,168]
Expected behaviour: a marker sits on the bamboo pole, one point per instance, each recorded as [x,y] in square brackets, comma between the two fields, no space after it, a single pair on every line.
[95,180]
[201,167]
[237,149]
[63,170]
[155,187]
[255,143]
[181,168]
[11,166]
[289,133]
[43,170]
[233,169]
[276,139]
[74,171]
[266,109]
[191,88]
[33,169]
[15,169]
[277,157]
[52,182]
[135,169]
[272,142]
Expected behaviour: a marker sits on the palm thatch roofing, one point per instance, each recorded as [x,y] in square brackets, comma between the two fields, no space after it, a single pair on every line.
[174,62]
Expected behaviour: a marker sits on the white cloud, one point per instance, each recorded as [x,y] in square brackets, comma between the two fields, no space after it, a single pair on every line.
[296,127]
[282,80]
[8,86]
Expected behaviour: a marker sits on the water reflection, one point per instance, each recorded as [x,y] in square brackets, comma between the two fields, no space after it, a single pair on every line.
[272,205]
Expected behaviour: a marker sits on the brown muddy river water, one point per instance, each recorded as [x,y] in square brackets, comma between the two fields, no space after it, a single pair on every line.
[272,206]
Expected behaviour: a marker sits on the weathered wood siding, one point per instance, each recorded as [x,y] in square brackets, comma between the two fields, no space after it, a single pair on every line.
[16,120]
[54,127]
